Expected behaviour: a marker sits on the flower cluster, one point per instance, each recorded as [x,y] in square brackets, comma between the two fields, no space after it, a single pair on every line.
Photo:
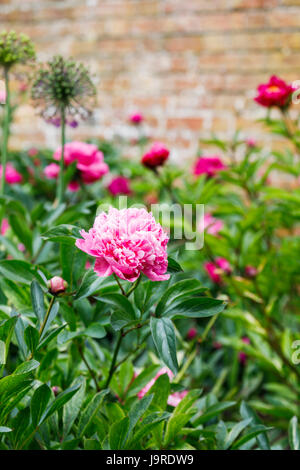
[90,161]
[15,49]
[209,166]
[63,84]
[126,243]
[274,93]
[212,225]
[136,118]
[156,156]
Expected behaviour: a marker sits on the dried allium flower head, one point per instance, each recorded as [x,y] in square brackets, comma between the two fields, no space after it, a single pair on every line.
[63,84]
[15,49]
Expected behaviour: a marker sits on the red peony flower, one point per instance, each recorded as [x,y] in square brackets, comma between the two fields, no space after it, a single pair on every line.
[209,166]
[274,93]
[119,185]
[156,156]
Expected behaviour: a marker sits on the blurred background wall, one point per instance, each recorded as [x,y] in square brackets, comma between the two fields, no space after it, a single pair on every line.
[191,67]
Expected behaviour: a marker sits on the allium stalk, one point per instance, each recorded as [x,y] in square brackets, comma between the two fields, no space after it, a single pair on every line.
[61,183]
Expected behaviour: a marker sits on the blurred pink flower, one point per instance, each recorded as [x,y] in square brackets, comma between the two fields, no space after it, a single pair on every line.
[215,269]
[119,185]
[251,271]
[274,93]
[156,156]
[32,152]
[191,333]
[243,356]
[90,160]
[51,171]
[147,387]
[174,398]
[73,186]
[21,247]
[4,226]
[136,118]
[209,166]
[251,143]
[12,176]
[2,96]
[127,242]
[212,225]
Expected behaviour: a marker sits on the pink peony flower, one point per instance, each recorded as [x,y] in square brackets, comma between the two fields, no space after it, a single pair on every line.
[223,264]
[136,118]
[56,285]
[212,225]
[156,156]
[119,185]
[251,143]
[215,269]
[73,186]
[191,333]
[147,387]
[127,242]
[32,152]
[12,176]
[4,226]
[274,93]
[2,96]
[90,161]
[243,356]
[51,171]
[174,399]
[209,166]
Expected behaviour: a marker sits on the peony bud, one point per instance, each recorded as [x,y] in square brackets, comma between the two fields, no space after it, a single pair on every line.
[57,285]
[250,271]
[191,333]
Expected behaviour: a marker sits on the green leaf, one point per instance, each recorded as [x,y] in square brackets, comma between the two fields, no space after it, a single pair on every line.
[20,228]
[137,411]
[147,426]
[2,353]
[119,302]
[51,317]
[95,331]
[39,402]
[118,434]
[175,291]
[4,429]
[235,432]
[294,435]
[62,233]
[72,408]
[31,336]
[59,402]
[173,266]
[20,271]
[257,431]
[90,284]
[247,412]
[212,411]
[196,307]
[37,298]
[163,335]
[90,412]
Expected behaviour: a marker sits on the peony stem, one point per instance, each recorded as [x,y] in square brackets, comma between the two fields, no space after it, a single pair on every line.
[114,359]
[5,130]
[60,186]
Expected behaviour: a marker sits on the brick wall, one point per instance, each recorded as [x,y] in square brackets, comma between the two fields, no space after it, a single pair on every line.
[190,66]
